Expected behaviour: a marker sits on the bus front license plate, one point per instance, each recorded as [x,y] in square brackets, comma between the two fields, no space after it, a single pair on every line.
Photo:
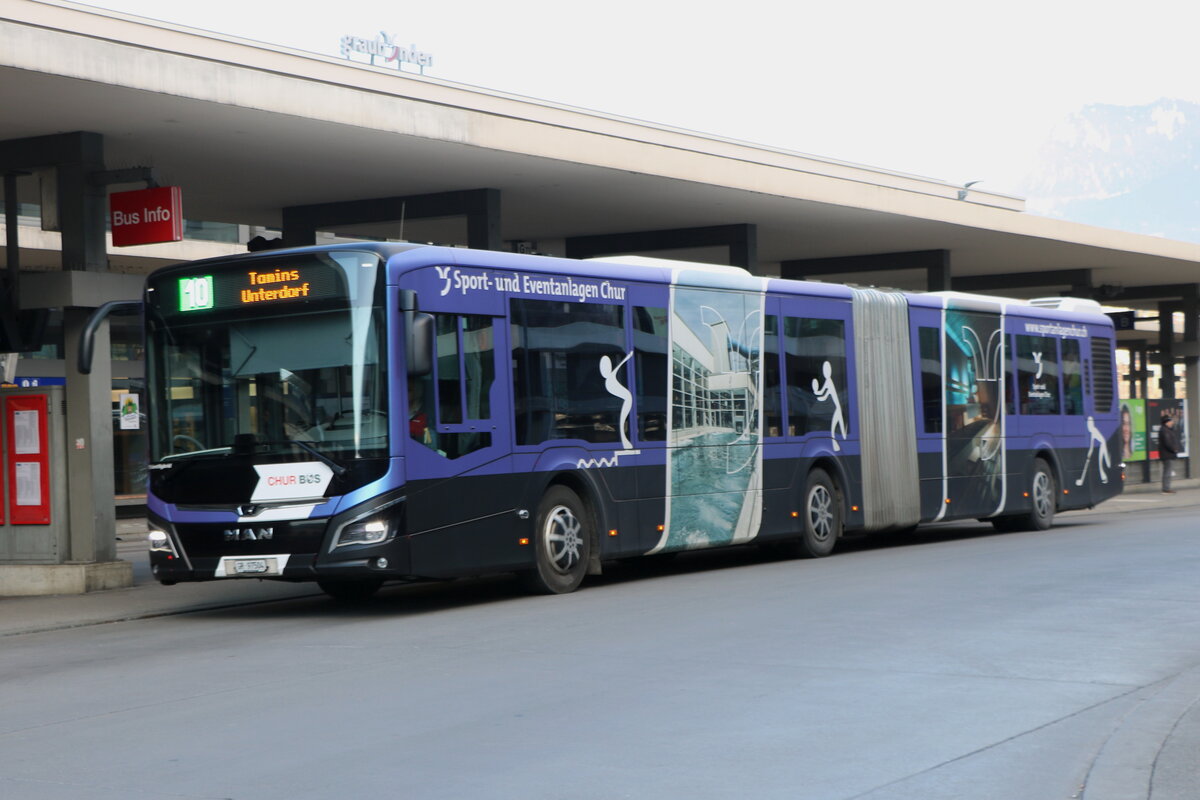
[252,566]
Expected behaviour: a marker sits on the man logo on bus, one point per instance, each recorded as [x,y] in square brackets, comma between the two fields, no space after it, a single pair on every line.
[1037,359]
[827,391]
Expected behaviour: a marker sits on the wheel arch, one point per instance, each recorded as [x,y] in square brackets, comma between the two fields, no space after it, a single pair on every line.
[834,469]
[1046,453]
[588,491]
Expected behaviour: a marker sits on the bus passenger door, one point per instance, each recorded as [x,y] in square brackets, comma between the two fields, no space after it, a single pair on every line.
[929,398]
[460,485]
[973,357]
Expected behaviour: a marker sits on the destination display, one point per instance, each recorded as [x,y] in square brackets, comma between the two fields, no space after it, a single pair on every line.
[260,287]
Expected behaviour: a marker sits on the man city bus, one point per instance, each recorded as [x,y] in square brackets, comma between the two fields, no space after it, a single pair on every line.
[364,413]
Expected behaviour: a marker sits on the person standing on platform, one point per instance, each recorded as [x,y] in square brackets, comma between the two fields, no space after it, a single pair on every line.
[1168,450]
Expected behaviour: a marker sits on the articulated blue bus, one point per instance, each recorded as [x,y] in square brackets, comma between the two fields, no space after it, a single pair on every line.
[365,413]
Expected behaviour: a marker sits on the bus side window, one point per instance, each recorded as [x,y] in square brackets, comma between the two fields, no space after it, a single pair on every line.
[772,381]
[1072,370]
[815,357]
[1010,385]
[1037,375]
[559,351]
[650,365]
[931,378]
[449,376]
[465,365]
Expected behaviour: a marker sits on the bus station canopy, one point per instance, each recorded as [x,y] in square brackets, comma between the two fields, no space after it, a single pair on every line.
[248,129]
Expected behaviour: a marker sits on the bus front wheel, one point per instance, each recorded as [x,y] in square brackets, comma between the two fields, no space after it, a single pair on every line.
[562,543]
[822,516]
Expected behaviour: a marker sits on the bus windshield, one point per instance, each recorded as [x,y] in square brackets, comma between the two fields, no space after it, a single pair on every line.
[262,356]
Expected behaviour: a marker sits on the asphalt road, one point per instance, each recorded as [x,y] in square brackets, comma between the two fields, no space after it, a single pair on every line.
[956,664]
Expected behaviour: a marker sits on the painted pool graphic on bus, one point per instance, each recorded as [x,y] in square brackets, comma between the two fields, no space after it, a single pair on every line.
[714,467]
[974,386]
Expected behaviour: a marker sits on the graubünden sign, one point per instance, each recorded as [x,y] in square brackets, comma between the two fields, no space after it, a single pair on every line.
[146,216]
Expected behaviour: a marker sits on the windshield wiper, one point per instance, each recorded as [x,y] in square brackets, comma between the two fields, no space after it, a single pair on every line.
[251,441]
[191,453]
[338,468]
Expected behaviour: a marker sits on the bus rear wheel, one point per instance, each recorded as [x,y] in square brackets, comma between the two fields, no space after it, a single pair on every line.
[822,516]
[562,543]
[1044,495]
[1043,498]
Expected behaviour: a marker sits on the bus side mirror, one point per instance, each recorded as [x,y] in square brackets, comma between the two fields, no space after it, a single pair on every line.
[418,336]
[419,351]
[87,337]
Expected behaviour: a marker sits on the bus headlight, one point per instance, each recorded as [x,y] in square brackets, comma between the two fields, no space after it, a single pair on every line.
[367,531]
[159,541]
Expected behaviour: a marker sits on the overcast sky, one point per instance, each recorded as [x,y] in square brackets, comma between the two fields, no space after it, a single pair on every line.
[949,89]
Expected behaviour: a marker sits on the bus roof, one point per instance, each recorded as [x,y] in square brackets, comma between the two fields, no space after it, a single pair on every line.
[404,256]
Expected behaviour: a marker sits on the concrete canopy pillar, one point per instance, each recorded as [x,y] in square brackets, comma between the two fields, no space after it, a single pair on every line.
[1191,375]
[89,445]
[1166,348]
[83,206]
[75,203]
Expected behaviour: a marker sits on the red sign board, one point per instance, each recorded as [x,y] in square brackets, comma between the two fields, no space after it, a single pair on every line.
[147,216]
[27,458]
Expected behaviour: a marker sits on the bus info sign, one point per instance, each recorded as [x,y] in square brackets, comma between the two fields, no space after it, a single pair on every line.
[146,216]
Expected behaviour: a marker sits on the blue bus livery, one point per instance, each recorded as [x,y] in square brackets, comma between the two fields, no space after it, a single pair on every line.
[365,413]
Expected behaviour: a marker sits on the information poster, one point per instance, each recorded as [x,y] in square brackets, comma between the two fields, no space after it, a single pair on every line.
[25,433]
[1155,411]
[1133,430]
[130,420]
[29,483]
[27,457]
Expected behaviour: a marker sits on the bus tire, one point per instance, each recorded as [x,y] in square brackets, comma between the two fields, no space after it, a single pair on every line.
[822,515]
[1044,496]
[350,592]
[562,540]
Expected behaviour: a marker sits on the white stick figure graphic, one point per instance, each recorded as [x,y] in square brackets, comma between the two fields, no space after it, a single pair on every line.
[1037,359]
[827,391]
[612,383]
[1102,462]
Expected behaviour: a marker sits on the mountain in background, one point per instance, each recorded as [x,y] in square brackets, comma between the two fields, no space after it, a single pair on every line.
[1132,168]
